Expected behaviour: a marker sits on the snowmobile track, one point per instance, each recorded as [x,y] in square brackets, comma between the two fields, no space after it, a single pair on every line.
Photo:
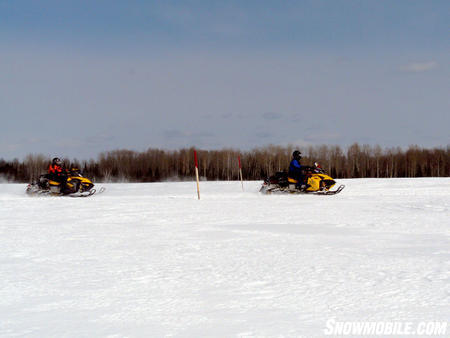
[298,192]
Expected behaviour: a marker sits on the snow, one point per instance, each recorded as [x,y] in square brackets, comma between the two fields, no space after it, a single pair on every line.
[151,260]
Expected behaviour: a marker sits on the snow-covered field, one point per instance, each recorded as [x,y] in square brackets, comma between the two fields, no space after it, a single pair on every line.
[150,260]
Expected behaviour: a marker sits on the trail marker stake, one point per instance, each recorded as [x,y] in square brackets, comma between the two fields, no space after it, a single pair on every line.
[240,172]
[196,173]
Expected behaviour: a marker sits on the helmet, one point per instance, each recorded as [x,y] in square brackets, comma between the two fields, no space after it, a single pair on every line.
[297,155]
[56,161]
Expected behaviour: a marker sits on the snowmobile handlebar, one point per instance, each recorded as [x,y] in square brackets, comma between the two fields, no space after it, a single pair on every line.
[310,169]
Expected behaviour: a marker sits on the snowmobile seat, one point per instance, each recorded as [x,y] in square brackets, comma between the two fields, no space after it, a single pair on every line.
[292,181]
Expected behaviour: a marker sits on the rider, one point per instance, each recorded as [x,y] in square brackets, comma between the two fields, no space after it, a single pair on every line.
[296,170]
[57,173]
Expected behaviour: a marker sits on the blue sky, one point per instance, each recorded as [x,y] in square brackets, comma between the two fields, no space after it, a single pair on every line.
[81,77]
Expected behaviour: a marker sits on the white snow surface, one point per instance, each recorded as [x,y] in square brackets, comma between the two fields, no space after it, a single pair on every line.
[150,260]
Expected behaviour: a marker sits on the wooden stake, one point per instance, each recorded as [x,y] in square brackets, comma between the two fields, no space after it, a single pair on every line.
[196,173]
[240,172]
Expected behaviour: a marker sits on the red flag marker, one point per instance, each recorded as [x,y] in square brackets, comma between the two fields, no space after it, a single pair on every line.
[240,172]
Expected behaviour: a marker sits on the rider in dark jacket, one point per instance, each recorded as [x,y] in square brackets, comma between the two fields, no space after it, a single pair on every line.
[295,168]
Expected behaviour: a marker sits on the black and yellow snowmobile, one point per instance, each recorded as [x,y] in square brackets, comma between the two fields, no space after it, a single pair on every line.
[76,185]
[317,182]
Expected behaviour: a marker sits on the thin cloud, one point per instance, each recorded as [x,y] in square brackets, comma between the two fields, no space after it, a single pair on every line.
[263,134]
[226,116]
[327,137]
[419,67]
[174,138]
[297,117]
[272,116]
[170,134]
[174,133]
[102,138]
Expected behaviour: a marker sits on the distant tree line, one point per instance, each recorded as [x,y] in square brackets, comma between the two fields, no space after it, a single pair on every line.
[356,161]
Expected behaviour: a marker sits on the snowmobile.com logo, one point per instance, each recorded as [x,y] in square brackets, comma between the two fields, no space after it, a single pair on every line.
[335,328]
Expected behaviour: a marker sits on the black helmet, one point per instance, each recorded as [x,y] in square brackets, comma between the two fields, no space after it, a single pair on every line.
[56,161]
[297,155]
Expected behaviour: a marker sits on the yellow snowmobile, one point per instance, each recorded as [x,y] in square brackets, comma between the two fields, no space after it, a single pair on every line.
[316,182]
[76,185]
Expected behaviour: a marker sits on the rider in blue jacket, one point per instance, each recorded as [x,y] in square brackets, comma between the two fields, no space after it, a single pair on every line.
[295,168]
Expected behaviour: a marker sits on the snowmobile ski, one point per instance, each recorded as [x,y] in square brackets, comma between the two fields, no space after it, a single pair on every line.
[330,192]
[278,190]
[87,193]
